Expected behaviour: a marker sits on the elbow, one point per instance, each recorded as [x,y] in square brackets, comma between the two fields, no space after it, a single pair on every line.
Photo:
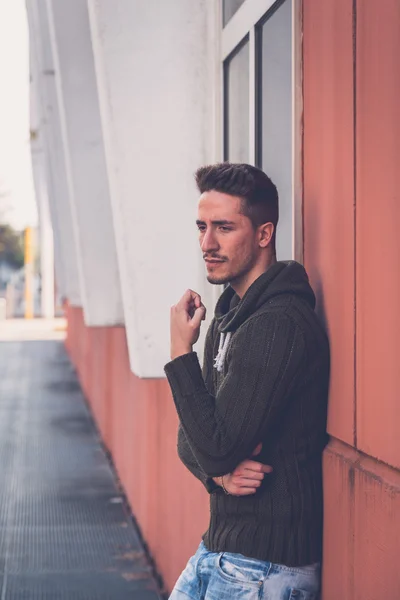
[223,461]
[218,468]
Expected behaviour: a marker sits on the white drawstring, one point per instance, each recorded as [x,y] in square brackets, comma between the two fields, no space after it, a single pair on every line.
[222,350]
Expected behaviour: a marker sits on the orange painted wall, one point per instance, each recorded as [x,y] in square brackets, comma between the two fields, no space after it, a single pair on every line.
[361,527]
[351,249]
[329,191]
[378,220]
[138,423]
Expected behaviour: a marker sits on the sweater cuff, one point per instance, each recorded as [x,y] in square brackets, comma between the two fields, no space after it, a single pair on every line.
[184,374]
[211,486]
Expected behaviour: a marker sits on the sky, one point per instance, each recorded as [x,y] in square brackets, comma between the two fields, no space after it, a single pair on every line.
[18,206]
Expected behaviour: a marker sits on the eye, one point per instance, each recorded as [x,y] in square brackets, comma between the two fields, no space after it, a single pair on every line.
[201,228]
[225,229]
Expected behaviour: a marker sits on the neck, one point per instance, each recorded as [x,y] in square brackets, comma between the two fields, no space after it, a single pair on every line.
[242,284]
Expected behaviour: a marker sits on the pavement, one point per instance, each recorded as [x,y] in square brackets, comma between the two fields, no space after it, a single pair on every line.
[65,529]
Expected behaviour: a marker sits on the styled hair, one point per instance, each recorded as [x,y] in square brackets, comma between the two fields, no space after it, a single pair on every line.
[258,193]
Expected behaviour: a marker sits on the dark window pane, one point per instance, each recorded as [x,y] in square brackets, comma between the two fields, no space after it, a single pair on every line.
[275,124]
[237,106]
[229,7]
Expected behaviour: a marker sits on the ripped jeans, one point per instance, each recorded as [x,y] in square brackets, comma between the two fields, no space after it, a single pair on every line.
[227,576]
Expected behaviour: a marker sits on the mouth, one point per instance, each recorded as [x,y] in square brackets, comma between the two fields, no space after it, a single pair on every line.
[213,265]
[214,260]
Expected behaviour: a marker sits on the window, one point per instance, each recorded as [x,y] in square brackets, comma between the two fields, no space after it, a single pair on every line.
[229,7]
[274,114]
[259,111]
[236,105]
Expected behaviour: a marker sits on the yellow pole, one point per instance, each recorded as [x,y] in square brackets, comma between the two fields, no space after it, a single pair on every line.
[28,273]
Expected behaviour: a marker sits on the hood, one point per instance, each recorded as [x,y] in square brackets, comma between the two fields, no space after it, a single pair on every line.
[284,277]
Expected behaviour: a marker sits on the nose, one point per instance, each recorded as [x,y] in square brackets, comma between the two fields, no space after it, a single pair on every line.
[208,242]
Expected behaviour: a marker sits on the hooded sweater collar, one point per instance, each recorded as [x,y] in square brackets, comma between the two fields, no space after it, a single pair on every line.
[283,277]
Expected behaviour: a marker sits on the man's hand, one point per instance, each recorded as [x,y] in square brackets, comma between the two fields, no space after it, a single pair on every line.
[186,318]
[246,478]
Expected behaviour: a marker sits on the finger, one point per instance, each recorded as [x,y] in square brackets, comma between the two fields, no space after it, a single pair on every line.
[267,468]
[246,483]
[252,465]
[205,312]
[191,308]
[250,483]
[246,475]
[198,317]
[195,297]
[257,450]
[188,298]
[253,475]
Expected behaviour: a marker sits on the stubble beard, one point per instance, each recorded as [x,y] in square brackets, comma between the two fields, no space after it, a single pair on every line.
[229,278]
[217,280]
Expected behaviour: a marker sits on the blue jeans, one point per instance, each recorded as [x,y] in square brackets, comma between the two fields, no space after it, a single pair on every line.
[227,576]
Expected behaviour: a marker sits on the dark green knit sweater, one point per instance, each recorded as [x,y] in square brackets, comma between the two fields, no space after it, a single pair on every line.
[272,388]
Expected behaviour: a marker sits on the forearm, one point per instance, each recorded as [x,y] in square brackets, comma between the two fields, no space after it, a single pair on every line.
[210,483]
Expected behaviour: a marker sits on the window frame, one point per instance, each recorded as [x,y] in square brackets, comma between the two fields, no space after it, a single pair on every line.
[246,23]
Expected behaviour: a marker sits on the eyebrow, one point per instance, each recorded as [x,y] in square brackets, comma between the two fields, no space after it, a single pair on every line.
[221,222]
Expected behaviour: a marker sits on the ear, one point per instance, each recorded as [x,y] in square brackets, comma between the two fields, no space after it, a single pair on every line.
[266,231]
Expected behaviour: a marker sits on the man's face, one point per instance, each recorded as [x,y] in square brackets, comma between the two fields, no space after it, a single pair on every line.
[227,238]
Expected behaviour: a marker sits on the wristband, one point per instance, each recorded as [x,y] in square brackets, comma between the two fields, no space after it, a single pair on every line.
[223,487]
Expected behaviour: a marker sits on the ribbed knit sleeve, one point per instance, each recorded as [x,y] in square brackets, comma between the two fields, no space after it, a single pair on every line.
[184,450]
[187,457]
[264,364]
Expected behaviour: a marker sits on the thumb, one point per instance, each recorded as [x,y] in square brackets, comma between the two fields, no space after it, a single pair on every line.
[257,450]
[199,316]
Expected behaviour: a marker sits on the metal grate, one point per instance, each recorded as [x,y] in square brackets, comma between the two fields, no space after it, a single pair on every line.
[64,532]
[90,586]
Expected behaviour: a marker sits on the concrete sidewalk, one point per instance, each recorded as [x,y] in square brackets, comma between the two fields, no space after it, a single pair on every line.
[64,531]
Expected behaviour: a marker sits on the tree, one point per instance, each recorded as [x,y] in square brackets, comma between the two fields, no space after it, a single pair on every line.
[11,246]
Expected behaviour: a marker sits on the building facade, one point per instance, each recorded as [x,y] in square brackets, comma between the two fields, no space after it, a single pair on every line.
[133,97]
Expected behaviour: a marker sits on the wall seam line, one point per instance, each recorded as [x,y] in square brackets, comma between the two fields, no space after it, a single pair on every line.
[354,40]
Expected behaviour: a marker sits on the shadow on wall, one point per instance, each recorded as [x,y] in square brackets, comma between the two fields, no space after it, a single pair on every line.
[311,242]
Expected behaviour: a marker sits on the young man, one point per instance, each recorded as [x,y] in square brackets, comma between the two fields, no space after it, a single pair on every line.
[260,400]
